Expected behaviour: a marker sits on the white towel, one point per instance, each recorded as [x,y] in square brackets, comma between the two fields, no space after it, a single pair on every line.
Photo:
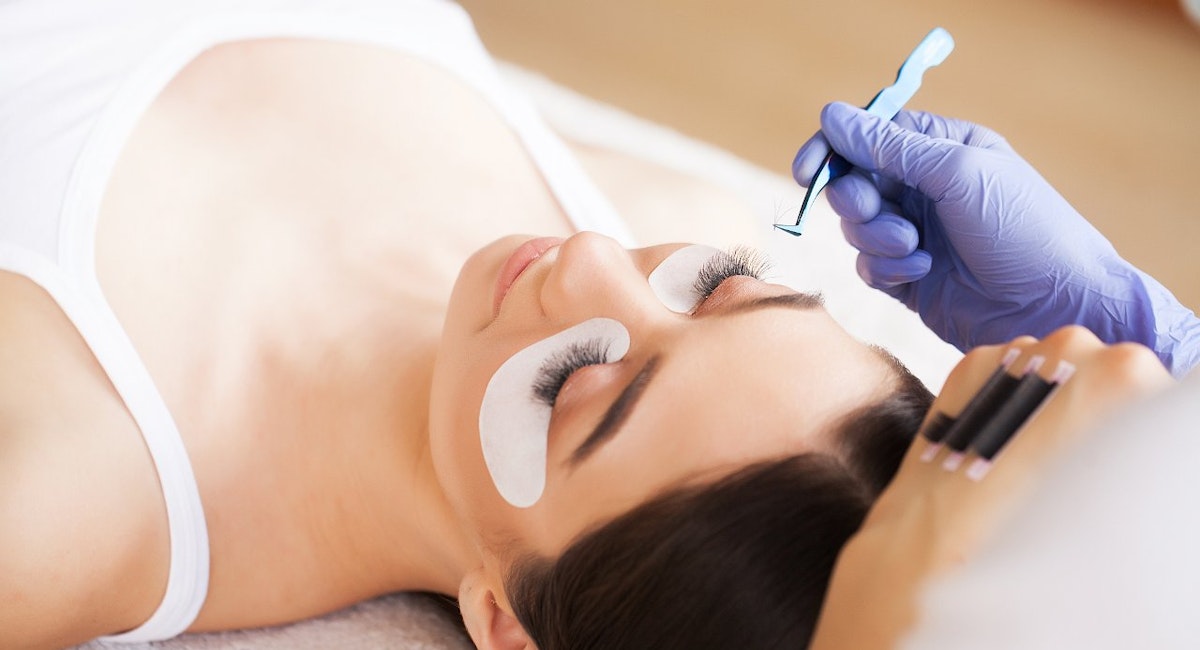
[399,622]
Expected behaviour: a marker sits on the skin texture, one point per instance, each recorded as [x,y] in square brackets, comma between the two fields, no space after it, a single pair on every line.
[929,521]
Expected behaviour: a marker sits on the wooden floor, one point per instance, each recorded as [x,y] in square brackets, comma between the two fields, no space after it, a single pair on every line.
[1102,96]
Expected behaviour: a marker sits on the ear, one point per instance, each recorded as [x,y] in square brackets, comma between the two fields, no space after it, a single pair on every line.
[488,615]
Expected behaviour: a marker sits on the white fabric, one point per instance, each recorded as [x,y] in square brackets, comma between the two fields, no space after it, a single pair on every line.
[397,622]
[78,75]
[1104,557]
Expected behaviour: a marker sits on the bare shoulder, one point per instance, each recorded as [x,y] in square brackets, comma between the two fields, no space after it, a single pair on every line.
[665,205]
[78,556]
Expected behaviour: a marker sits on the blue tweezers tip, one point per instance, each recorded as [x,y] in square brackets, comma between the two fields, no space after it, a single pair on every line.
[796,230]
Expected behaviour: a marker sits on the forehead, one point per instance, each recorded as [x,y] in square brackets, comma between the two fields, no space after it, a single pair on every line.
[728,392]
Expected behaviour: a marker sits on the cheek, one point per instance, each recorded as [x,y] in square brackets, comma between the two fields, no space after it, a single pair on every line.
[460,375]
[488,434]
[464,362]
[514,425]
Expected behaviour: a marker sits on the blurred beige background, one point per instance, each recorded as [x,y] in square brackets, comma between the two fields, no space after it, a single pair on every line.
[1102,96]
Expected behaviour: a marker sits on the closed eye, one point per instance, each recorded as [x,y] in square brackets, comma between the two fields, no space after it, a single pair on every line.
[555,370]
[727,264]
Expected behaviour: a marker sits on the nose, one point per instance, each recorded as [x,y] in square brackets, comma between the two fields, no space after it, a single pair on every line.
[594,276]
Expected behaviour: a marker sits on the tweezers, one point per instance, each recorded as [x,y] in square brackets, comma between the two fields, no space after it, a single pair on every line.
[932,50]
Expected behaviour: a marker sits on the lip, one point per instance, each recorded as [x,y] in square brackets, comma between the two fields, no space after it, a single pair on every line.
[515,265]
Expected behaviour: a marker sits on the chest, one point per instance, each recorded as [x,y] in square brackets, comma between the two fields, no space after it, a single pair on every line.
[285,202]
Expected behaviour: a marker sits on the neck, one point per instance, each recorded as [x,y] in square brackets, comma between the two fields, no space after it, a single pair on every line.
[358,376]
[404,528]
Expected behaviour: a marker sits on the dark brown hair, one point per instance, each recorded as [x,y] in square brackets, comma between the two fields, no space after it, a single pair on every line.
[740,563]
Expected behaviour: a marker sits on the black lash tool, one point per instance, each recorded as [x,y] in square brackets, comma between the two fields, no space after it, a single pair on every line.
[962,438]
[1025,401]
[957,434]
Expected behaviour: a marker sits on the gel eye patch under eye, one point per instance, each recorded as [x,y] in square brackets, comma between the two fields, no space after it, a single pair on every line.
[674,279]
[514,424]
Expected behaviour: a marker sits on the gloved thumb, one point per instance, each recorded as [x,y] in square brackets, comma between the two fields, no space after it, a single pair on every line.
[881,146]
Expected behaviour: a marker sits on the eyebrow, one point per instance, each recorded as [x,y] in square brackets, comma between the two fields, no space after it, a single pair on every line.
[801,300]
[616,415]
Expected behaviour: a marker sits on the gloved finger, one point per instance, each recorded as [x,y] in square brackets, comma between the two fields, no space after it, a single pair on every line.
[854,197]
[887,235]
[808,159]
[885,147]
[889,272]
[889,205]
[938,126]
[891,191]
[913,219]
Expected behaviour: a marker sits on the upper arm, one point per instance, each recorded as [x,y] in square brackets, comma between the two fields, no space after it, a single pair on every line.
[83,543]
[45,568]
[74,564]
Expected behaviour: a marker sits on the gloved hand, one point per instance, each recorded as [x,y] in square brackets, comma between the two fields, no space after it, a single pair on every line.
[949,220]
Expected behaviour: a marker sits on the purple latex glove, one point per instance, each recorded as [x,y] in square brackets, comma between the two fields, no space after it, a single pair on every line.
[949,220]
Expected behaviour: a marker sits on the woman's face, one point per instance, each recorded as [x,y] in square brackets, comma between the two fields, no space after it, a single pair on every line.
[573,347]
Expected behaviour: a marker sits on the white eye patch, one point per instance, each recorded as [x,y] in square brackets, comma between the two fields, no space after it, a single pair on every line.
[674,279]
[514,423]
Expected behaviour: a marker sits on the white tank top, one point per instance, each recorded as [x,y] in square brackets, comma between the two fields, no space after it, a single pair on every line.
[75,78]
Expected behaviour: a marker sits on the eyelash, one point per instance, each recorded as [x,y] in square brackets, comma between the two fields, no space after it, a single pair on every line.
[727,264]
[554,371]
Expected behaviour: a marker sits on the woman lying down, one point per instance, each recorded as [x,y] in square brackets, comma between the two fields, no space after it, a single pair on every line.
[271,349]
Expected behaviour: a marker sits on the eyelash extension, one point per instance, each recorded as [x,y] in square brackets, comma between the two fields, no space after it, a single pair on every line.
[555,370]
[726,264]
